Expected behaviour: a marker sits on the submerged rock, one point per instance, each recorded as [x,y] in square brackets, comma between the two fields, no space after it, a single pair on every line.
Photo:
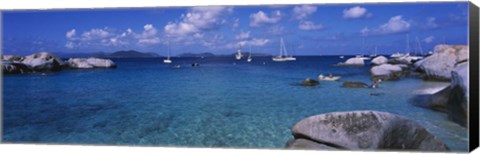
[368,130]
[43,62]
[386,72]
[379,60]
[309,82]
[458,100]
[85,63]
[440,64]
[353,84]
[355,61]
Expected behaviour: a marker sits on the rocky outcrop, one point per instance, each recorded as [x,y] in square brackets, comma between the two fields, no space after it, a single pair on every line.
[379,60]
[353,84]
[363,130]
[435,97]
[43,62]
[386,72]
[86,63]
[440,64]
[12,58]
[353,62]
[458,100]
[14,68]
[309,82]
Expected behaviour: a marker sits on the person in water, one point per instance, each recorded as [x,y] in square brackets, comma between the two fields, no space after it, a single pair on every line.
[330,75]
[375,83]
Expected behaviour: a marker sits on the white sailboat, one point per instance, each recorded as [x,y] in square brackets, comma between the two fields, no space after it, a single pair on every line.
[168,60]
[249,59]
[407,51]
[283,54]
[374,54]
[361,55]
[239,55]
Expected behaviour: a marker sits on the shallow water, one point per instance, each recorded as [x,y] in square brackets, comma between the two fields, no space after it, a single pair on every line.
[219,104]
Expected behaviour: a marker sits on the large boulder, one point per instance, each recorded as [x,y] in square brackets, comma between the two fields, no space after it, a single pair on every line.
[386,72]
[85,63]
[440,64]
[458,100]
[434,97]
[355,61]
[14,68]
[354,84]
[365,130]
[379,60]
[43,62]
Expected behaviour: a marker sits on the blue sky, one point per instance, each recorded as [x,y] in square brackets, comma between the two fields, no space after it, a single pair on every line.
[327,29]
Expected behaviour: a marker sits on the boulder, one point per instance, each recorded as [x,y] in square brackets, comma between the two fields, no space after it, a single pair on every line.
[14,68]
[386,72]
[352,84]
[43,62]
[435,97]
[307,145]
[457,105]
[366,130]
[86,63]
[440,64]
[355,61]
[12,58]
[379,60]
[309,82]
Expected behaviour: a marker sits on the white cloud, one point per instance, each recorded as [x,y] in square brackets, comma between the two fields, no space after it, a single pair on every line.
[148,36]
[276,30]
[70,34]
[260,18]
[302,12]
[308,25]
[243,35]
[396,24]
[96,34]
[356,12]
[236,24]
[198,19]
[429,39]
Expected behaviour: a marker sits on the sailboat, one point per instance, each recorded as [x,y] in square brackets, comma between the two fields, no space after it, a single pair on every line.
[168,60]
[249,59]
[398,54]
[361,55]
[374,54]
[239,55]
[283,54]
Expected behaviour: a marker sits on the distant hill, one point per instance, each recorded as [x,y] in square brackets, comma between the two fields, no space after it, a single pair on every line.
[205,54]
[132,54]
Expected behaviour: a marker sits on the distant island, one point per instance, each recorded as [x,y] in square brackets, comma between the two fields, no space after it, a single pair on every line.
[132,54]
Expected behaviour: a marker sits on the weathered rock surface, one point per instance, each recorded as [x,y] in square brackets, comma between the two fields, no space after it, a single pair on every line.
[435,98]
[369,130]
[12,58]
[353,62]
[309,82]
[43,61]
[386,72]
[439,65]
[86,63]
[14,68]
[353,84]
[379,60]
[307,145]
[458,100]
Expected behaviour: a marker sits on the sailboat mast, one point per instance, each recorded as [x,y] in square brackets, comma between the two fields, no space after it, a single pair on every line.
[419,45]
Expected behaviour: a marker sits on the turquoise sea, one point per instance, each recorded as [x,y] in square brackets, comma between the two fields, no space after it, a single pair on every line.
[222,103]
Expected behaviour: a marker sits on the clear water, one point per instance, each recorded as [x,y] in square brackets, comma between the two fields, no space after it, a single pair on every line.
[219,104]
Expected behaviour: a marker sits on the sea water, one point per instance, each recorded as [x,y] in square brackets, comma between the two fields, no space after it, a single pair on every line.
[221,103]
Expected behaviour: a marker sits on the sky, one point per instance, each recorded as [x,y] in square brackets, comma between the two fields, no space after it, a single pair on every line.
[325,29]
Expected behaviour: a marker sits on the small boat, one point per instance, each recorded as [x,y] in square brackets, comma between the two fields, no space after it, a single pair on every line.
[327,78]
[341,57]
[168,60]
[362,57]
[239,55]
[396,55]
